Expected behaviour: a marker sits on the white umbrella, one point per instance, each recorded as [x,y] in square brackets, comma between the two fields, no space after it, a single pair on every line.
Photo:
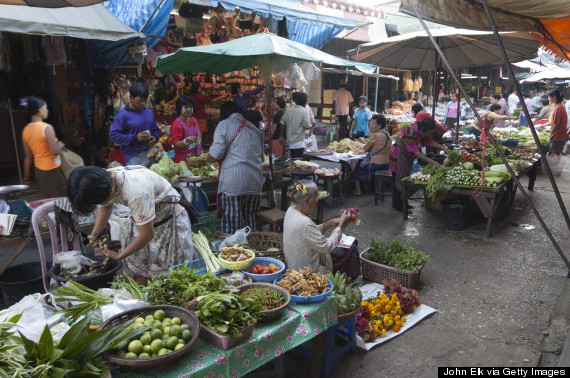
[463,48]
[551,74]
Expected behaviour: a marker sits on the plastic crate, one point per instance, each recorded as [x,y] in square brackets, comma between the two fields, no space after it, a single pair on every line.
[378,272]
[199,265]
[205,222]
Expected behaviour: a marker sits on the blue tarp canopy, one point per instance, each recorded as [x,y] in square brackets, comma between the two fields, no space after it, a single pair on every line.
[304,24]
[136,14]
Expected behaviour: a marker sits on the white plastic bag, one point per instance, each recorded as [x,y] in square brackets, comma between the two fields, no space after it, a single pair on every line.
[239,237]
[33,320]
[121,303]
[311,143]
[71,261]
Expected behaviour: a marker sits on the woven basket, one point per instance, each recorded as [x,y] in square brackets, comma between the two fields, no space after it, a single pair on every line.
[262,241]
[378,272]
[195,162]
[225,342]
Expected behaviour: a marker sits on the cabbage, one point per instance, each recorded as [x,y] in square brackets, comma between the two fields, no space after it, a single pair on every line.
[173,179]
[182,167]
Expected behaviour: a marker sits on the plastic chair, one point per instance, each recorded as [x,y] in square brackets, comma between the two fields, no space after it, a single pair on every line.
[331,135]
[42,212]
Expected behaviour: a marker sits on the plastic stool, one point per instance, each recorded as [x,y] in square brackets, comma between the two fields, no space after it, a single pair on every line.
[331,355]
[331,135]
[381,179]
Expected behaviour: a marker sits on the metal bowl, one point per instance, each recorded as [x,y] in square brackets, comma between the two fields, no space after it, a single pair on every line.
[12,189]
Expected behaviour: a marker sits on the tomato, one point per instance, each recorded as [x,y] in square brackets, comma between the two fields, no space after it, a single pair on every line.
[275,269]
[271,266]
[266,271]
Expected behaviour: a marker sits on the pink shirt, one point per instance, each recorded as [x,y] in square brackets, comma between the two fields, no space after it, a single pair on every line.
[342,98]
[452,110]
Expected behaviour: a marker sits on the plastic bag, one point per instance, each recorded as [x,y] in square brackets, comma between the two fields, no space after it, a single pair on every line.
[121,303]
[239,237]
[311,143]
[36,313]
[71,261]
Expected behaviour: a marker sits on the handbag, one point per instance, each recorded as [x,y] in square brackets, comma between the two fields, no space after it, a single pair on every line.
[366,161]
[69,161]
[346,260]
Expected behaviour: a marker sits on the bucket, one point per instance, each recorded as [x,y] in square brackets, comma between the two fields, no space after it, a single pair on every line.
[94,282]
[454,214]
[21,280]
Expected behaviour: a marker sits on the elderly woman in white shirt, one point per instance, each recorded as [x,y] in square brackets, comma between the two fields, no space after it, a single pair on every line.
[304,242]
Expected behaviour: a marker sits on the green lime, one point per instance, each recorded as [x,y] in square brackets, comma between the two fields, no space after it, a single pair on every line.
[186,335]
[147,349]
[180,341]
[149,317]
[154,355]
[136,346]
[121,354]
[156,345]
[139,320]
[174,330]
[144,355]
[165,330]
[137,325]
[122,345]
[184,326]
[157,324]
[146,338]
[130,355]
[156,333]
[171,342]
[178,346]
[168,320]
[165,337]
[148,323]
[159,315]
[176,320]
[163,351]
[166,323]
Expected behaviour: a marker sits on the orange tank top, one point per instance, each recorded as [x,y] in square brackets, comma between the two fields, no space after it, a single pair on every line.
[34,136]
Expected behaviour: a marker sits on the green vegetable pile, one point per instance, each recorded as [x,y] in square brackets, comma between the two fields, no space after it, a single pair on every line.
[167,169]
[78,354]
[397,255]
[206,171]
[227,314]
[453,158]
[436,182]
[460,176]
[181,286]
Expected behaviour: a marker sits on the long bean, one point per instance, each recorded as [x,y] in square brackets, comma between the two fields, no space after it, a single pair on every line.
[435,183]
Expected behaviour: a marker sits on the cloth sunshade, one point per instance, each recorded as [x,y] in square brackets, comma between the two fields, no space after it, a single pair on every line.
[463,48]
[91,22]
[550,19]
[51,3]
[247,52]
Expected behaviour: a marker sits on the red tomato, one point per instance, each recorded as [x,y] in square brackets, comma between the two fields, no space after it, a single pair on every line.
[266,271]
[275,269]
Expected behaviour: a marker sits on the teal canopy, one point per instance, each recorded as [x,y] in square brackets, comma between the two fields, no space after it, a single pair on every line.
[245,52]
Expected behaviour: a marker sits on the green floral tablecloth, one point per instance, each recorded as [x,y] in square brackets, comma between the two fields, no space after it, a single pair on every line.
[298,324]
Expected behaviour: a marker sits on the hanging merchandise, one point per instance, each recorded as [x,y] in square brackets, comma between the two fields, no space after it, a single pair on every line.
[415,87]
[193,25]
[188,10]
[408,82]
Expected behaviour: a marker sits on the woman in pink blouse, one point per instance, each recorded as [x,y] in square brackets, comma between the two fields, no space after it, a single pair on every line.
[185,131]
[452,114]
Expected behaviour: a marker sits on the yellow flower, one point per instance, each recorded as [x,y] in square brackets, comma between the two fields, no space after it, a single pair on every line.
[383,331]
[404,318]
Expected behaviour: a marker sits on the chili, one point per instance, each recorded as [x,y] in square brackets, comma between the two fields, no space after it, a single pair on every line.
[269,298]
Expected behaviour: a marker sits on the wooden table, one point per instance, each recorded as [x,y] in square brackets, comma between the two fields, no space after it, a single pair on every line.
[488,201]
[282,184]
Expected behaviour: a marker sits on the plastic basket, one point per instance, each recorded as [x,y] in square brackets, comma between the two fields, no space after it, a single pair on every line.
[225,342]
[378,272]
[205,222]
[237,265]
[313,299]
[199,265]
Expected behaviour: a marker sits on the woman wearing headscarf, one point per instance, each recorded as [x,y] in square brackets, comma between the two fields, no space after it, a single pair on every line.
[408,146]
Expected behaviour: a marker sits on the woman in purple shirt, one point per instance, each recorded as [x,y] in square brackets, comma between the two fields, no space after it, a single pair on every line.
[452,115]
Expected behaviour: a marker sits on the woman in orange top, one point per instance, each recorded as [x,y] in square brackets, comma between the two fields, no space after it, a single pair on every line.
[41,146]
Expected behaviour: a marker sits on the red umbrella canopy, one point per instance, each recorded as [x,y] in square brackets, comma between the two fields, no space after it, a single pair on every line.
[51,3]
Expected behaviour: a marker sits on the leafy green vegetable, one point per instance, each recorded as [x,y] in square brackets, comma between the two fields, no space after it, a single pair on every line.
[453,158]
[75,292]
[165,167]
[397,255]
[436,182]
[227,313]
[180,286]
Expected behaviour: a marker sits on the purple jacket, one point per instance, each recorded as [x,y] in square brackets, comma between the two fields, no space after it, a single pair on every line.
[126,125]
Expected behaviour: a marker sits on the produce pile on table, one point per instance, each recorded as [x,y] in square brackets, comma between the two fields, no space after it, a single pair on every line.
[348,145]
[304,282]
[269,299]
[162,336]
[348,295]
[303,166]
[524,137]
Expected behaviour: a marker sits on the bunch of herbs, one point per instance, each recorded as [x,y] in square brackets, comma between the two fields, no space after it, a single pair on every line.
[227,314]
[397,255]
[181,286]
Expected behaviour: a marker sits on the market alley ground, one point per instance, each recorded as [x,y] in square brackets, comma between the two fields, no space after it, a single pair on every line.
[501,301]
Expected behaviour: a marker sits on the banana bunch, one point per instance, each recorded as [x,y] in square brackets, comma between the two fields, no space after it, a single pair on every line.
[348,295]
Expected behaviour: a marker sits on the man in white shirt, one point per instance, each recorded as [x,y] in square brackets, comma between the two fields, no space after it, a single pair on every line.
[535,103]
[297,125]
[512,102]
[342,100]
